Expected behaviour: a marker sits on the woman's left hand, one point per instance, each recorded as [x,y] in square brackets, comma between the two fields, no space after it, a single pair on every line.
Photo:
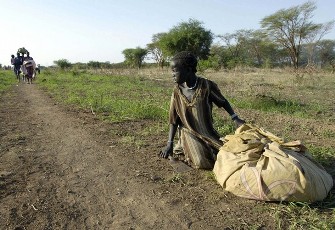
[238,122]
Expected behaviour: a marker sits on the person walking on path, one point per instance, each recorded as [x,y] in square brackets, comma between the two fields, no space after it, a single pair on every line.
[17,62]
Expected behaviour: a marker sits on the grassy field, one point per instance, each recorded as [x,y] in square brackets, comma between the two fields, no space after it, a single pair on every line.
[7,79]
[304,105]
[289,105]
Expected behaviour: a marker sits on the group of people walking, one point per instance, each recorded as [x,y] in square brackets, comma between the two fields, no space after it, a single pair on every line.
[25,67]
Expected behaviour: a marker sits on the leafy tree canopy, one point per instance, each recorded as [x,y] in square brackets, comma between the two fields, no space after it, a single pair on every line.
[135,57]
[290,27]
[94,64]
[187,36]
[63,63]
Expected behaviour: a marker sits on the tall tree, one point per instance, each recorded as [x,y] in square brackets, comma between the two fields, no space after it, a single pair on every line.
[63,63]
[326,49]
[313,39]
[218,56]
[231,44]
[94,64]
[289,27]
[135,57]
[187,36]
[155,50]
[246,46]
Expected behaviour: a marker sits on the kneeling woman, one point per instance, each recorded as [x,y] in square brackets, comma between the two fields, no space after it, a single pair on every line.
[191,110]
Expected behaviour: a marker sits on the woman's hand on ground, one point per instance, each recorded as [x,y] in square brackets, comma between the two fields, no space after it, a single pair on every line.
[167,151]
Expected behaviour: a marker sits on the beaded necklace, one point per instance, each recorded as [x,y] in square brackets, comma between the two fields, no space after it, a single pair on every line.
[195,84]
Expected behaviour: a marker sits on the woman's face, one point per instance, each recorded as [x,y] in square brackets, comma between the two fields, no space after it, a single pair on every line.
[179,72]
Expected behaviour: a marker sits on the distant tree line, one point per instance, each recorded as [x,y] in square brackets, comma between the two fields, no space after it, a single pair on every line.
[288,37]
[66,64]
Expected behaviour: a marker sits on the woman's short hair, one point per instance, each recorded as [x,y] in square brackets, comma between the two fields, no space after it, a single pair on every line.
[186,58]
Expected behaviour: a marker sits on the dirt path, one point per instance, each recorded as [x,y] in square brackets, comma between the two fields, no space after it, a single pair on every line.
[64,169]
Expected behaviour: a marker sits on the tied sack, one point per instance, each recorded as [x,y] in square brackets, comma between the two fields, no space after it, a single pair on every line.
[255,164]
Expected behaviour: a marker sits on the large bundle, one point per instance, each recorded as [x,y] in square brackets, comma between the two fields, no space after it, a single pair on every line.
[28,67]
[256,164]
[22,50]
[29,63]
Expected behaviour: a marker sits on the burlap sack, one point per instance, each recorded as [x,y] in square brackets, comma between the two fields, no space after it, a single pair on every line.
[256,164]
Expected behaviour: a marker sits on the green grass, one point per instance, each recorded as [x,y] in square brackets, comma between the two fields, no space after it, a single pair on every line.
[301,216]
[324,155]
[7,79]
[329,133]
[117,98]
[177,178]
[224,125]
[276,105]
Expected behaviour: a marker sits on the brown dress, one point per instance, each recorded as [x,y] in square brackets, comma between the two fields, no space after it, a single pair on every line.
[198,139]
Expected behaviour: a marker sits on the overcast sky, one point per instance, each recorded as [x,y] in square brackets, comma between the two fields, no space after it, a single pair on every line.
[99,30]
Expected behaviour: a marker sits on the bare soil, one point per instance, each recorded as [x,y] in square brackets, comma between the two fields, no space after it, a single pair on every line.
[62,168]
